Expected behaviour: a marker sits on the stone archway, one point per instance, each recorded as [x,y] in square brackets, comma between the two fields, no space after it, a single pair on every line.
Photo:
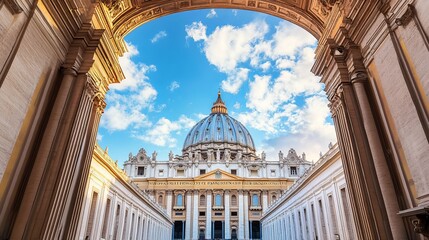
[45,177]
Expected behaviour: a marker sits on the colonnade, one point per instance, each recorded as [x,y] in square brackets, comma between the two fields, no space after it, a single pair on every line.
[192,208]
[113,209]
[317,207]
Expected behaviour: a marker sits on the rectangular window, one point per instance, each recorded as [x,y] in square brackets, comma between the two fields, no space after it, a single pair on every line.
[115,229]
[322,220]
[347,212]
[91,214]
[124,230]
[234,214]
[234,171]
[106,219]
[202,214]
[256,213]
[161,172]
[218,214]
[293,171]
[202,171]
[253,173]
[334,227]
[180,172]
[140,171]
[179,214]
[313,218]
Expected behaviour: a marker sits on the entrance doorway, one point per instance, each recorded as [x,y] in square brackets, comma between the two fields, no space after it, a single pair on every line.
[234,234]
[218,232]
[179,230]
[255,230]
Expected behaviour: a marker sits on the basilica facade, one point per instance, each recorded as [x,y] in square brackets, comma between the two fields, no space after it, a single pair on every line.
[218,187]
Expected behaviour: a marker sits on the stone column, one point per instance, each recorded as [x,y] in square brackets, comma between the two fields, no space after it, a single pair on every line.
[169,203]
[63,156]
[240,215]
[188,215]
[227,216]
[371,189]
[209,215]
[246,214]
[264,200]
[195,228]
[359,79]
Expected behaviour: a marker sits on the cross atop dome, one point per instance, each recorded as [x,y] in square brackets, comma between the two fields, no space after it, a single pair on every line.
[219,105]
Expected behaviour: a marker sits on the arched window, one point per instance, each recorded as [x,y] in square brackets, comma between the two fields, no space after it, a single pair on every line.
[160,199]
[234,200]
[179,200]
[218,200]
[255,200]
[274,198]
[202,200]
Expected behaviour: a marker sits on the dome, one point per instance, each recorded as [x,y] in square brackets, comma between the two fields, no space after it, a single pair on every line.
[219,127]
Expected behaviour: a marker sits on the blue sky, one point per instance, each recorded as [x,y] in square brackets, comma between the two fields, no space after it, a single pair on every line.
[176,65]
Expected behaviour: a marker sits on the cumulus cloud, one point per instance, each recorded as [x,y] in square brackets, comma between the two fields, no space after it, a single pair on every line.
[161,134]
[127,100]
[284,100]
[228,46]
[173,86]
[196,31]
[135,72]
[159,35]
[237,105]
[235,79]
[211,14]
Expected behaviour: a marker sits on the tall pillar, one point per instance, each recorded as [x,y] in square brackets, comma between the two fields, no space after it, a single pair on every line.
[63,155]
[169,203]
[227,216]
[264,200]
[188,215]
[195,227]
[246,214]
[240,215]
[372,194]
[209,215]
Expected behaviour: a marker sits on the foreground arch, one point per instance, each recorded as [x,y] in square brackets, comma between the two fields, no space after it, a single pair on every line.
[60,57]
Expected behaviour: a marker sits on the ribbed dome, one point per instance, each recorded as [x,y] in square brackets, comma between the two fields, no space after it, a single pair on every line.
[219,127]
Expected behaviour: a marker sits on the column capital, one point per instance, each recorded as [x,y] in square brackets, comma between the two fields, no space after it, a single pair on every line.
[82,49]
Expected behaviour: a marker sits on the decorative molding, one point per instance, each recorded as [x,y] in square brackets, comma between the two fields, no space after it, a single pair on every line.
[12,5]
[406,17]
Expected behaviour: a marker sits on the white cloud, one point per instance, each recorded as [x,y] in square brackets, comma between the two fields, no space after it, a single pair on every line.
[289,38]
[173,86]
[159,35]
[99,137]
[228,46]
[161,133]
[120,117]
[196,31]
[237,105]
[235,78]
[265,66]
[127,101]
[289,102]
[135,73]
[211,14]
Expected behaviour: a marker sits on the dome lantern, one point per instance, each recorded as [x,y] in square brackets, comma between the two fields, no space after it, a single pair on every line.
[219,105]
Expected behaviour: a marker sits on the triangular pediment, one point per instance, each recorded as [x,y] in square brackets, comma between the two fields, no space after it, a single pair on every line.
[218,174]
